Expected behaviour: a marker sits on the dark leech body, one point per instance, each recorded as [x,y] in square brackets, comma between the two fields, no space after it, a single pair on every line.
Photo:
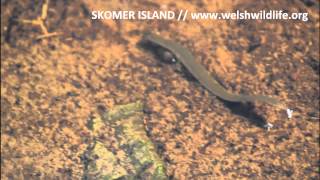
[184,56]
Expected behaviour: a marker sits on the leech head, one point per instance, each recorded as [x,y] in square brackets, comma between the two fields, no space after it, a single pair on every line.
[166,56]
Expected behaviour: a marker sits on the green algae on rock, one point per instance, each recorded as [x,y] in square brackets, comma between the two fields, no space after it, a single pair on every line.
[140,159]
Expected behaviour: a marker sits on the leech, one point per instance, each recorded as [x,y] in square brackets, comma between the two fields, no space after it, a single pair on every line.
[184,56]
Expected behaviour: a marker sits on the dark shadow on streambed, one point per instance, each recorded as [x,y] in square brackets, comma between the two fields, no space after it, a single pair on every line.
[247,111]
